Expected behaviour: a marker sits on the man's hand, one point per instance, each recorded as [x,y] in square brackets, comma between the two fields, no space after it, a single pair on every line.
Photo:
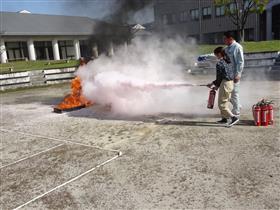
[237,78]
[209,85]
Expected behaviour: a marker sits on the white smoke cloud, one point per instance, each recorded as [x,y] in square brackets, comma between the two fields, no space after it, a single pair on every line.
[125,81]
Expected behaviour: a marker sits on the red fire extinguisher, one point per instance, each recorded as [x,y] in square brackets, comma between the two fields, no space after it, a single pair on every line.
[257,114]
[264,115]
[270,113]
[211,99]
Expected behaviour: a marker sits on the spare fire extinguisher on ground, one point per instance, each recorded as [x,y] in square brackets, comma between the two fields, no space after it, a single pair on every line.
[211,99]
[270,113]
[263,113]
[257,114]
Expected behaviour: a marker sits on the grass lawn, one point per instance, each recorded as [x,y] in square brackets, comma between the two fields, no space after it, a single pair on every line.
[263,46]
[201,49]
[36,65]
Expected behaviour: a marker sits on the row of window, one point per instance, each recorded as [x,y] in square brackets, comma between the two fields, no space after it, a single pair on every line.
[207,12]
[43,49]
[194,14]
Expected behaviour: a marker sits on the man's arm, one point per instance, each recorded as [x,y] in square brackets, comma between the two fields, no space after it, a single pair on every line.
[239,61]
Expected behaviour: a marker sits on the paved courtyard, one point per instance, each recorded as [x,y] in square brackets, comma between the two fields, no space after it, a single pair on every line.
[91,159]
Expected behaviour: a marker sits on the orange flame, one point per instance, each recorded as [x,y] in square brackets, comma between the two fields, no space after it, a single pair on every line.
[75,99]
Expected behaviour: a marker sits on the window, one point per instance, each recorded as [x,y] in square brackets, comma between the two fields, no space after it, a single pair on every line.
[173,18]
[232,7]
[169,19]
[86,50]
[164,19]
[66,49]
[249,34]
[206,12]
[16,50]
[246,4]
[43,50]
[195,14]
[183,16]
[220,11]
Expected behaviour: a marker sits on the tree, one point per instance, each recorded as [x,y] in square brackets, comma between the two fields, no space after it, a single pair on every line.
[239,10]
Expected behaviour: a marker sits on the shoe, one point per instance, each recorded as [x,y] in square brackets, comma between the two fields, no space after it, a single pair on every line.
[222,121]
[234,120]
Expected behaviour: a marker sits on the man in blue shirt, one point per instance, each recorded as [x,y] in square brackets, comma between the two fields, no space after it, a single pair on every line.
[235,52]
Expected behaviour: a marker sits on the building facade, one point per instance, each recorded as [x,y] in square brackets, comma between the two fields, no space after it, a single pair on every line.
[203,20]
[26,36]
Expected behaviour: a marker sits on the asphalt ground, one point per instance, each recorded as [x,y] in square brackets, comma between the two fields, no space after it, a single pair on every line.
[167,161]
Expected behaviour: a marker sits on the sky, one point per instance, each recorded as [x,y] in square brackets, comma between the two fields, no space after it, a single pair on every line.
[97,9]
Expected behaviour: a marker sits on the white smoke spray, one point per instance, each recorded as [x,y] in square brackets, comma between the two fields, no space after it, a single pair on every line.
[124,81]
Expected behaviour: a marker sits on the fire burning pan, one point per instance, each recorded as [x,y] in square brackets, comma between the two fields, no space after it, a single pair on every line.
[75,100]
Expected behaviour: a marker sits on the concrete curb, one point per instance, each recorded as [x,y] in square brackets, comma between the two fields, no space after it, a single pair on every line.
[262,62]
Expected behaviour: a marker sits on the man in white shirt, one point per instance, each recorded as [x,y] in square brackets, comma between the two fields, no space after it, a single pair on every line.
[235,52]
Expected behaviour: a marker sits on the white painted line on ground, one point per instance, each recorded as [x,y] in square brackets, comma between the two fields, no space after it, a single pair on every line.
[56,139]
[25,158]
[69,181]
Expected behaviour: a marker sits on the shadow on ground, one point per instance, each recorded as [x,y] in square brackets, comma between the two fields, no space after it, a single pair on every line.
[205,120]
[202,123]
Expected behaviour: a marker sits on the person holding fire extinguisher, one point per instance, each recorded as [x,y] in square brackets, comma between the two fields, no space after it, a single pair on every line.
[224,82]
[235,52]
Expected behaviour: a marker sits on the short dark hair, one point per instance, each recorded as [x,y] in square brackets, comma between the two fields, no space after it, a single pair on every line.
[223,53]
[219,50]
[228,34]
